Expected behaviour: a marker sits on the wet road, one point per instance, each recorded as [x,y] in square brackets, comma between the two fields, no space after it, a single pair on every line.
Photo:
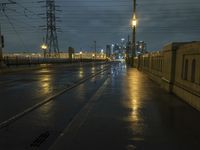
[21,90]
[119,109]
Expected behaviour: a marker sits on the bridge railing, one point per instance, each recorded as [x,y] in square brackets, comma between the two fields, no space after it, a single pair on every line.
[20,60]
[176,68]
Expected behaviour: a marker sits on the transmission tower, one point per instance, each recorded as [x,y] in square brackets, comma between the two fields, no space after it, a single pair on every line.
[51,29]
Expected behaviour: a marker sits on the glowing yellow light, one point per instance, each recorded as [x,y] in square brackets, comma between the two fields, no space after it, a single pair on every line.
[44,46]
[134,23]
[93,55]
[81,52]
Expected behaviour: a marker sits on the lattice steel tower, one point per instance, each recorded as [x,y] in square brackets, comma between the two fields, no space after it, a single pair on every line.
[51,33]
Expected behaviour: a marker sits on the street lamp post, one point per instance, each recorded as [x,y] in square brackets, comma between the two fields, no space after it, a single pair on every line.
[102,53]
[44,48]
[134,23]
[81,53]
[95,50]
[93,55]
[1,48]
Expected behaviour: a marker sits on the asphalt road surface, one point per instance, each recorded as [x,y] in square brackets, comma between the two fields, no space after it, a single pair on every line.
[102,107]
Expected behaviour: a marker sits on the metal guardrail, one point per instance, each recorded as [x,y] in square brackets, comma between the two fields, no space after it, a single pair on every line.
[20,60]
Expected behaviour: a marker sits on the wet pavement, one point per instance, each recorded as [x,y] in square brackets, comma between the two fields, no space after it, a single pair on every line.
[134,113]
[120,109]
[23,89]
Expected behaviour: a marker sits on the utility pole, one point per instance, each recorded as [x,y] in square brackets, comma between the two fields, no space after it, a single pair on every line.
[1,48]
[95,50]
[133,33]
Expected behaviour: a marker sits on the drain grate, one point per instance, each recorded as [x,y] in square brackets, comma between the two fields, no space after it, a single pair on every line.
[39,140]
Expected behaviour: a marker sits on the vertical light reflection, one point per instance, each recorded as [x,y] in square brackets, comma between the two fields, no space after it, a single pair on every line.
[93,69]
[81,72]
[45,81]
[136,118]
[134,86]
[46,88]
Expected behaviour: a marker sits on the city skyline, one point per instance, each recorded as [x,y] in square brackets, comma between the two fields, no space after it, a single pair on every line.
[82,22]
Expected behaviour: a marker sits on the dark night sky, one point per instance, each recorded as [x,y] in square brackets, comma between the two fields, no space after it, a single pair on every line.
[106,21]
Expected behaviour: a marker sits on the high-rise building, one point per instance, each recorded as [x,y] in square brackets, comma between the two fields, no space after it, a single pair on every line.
[141,47]
[108,50]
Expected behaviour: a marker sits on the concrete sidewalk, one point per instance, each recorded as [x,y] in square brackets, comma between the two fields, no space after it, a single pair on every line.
[131,112]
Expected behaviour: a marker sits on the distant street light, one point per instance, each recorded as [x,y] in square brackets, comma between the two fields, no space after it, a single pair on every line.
[81,53]
[95,49]
[102,53]
[93,55]
[44,48]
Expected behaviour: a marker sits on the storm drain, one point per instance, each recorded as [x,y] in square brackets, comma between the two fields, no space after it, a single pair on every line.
[39,140]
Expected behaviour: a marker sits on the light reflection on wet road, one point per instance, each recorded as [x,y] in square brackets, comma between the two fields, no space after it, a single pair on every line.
[134,113]
[131,113]
[23,89]
[50,118]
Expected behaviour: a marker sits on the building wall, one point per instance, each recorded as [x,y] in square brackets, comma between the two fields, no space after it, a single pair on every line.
[176,68]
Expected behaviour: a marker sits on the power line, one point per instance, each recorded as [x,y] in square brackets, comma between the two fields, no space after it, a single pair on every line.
[12,25]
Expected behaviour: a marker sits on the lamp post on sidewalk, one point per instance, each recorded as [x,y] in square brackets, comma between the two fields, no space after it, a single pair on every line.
[134,23]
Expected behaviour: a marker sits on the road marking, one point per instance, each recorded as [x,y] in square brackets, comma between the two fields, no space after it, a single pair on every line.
[80,118]
[51,98]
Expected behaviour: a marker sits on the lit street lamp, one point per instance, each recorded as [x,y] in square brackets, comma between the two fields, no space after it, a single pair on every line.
[102,53]
[134,23]
[93,56]
[44,48]
[81,53]
[95,49]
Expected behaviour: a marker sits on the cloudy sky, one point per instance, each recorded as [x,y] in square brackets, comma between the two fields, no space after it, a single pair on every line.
[106,21]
